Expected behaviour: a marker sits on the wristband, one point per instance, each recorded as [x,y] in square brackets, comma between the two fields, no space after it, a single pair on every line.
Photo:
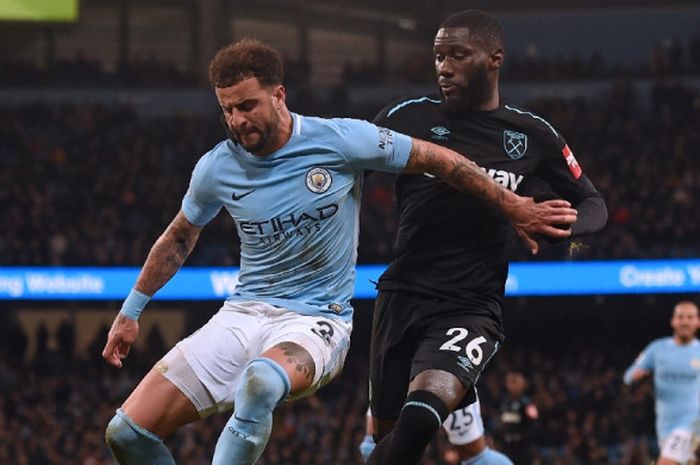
[134,304]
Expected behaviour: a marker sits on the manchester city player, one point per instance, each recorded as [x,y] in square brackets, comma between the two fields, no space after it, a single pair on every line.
[675,364]
[292,185]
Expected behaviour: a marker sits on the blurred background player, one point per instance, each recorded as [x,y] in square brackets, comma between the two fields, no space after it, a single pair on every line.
[517,415]
[438,316]
[675,364]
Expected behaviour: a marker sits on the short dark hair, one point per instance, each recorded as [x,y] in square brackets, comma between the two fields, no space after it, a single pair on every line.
[245,59]
[481,25]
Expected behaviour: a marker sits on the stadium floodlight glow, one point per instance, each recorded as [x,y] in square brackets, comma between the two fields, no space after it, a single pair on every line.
[39,10]
[524,279]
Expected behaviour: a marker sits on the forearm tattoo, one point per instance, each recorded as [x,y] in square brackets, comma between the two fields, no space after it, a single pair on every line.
[456,170]
[167,256]
[300,359]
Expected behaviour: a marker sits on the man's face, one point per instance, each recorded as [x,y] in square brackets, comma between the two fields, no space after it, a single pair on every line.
[685,321]
[515,383]
[466,69]
[252,113]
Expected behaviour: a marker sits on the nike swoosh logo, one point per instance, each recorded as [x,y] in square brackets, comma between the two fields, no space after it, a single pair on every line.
[239,197]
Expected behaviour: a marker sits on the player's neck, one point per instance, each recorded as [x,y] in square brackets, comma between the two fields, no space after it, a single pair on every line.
[681,341]
[492,102]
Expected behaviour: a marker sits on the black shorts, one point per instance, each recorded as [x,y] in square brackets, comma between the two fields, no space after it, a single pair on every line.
[414,332]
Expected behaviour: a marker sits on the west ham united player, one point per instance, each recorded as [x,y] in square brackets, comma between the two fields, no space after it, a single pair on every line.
[675,364]
[437,319]
[292,185]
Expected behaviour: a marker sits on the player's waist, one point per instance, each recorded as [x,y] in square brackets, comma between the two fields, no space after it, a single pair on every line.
[341,310]
[490,296]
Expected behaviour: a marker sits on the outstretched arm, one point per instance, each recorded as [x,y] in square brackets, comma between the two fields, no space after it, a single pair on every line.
[527,217]
[164,260]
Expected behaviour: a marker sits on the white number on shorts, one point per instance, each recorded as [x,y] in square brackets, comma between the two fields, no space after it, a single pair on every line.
[450,345]
[467,419]
[324,331]
[473,349]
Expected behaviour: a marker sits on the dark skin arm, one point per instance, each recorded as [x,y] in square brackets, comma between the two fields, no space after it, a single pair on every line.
[164,260]
[527,217]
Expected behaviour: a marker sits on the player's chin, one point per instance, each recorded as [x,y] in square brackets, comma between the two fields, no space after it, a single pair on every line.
[252,142]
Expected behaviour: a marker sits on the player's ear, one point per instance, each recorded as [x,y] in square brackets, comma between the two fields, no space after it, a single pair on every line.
[279,96]
[496,57]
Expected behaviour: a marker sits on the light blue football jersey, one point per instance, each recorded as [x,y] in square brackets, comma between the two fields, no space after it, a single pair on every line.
[676,371]
[296,209]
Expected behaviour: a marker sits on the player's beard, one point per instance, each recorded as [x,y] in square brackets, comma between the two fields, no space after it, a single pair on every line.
[265,136]
[471,96]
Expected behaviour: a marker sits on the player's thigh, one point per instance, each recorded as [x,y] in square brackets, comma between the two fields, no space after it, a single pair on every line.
[159,406]
[393,342]
[311,349]
[677,447]
[454,350]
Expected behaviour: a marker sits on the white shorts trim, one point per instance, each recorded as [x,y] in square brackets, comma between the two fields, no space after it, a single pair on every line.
[240,331]
[677,446]
[465,425]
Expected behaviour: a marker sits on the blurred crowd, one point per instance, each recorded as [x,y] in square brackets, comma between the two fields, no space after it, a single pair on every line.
[670,57]
[94,185]
[55,403]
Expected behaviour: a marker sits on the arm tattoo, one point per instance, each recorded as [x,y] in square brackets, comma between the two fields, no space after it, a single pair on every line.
[167,255]
[300,359]
[456,170]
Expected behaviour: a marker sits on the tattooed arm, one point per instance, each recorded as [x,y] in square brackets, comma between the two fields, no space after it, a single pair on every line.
[168,254]
[527,217]
[164,260]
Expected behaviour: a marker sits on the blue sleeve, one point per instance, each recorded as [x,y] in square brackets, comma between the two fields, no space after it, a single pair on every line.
[201,204]
[369,147]
[645,361]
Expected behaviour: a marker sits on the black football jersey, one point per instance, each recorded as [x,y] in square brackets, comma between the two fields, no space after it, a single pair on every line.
[453,245]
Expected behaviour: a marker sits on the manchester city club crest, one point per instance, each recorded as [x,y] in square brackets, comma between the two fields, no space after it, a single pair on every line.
[318,180]
[515,144]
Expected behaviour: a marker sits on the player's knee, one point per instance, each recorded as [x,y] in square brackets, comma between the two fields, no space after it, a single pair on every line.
[123,435]
[263,382]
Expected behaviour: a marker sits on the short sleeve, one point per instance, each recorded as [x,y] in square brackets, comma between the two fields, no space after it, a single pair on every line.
[645,360]
[201,204]
[370,147]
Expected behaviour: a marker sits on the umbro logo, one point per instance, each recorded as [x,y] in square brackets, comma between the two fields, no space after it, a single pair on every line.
[464,363]
[439,133]
[239,197]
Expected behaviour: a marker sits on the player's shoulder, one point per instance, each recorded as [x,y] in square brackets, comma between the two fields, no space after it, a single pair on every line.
[316,127]
[408,106]
[662,343]
[211,160]
[529,122]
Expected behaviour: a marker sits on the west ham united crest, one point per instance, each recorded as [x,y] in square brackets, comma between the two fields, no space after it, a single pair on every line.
[318,180]
[515,144]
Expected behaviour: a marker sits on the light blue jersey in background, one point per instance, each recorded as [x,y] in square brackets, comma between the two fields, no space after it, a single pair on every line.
[676,371]
[296,209]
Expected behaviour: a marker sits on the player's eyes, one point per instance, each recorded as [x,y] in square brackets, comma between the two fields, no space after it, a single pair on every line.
[246,106]
[439,57]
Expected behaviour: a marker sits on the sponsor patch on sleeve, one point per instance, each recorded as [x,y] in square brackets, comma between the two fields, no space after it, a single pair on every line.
[571,162]
[386,137]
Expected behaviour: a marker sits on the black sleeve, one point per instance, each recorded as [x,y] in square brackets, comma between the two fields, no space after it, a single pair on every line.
[561,170]
[592,212]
